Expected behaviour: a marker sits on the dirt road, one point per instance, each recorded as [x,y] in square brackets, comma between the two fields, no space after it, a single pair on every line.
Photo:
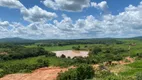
[39,74]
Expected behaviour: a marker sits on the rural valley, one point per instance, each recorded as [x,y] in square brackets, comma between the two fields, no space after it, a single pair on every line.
[95,59]
[70,39]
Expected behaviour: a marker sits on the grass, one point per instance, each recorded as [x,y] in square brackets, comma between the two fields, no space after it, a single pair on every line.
[27,61]
[118,68]
[53,61]
[29,64]
[134,68]
[137,64]
[58,48]
[131,72]
[134,49]
[62,62]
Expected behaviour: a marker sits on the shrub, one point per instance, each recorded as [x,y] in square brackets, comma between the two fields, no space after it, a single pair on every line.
[139,76]
[1,72]
[139,55]
[22,52]
[50,54]
[23,66]
[80,73]
[42,63]
[95,50]
[68,75]
[76,48]
[85,72]
[80,59]
[63,56]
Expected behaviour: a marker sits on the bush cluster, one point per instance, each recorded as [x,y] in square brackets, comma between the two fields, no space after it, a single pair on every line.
[22,53]
[22,67]
[80,73]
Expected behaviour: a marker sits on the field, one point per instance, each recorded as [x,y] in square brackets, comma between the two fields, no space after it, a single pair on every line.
[133,68]
[59,48]
[53,61]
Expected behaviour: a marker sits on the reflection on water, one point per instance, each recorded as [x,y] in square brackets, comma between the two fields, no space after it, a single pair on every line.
[71,53]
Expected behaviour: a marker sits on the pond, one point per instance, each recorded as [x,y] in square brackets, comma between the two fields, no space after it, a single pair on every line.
[71,53]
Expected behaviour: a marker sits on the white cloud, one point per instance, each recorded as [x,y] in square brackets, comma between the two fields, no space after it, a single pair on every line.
[102,6]
[11,4]
[125,24]
[4,23]
[36,31]
[94,4]
[36,14]
[50,4]
[67,5]
[4,28]
[65,24]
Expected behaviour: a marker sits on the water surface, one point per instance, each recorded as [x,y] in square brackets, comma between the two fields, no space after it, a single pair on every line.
[71,53]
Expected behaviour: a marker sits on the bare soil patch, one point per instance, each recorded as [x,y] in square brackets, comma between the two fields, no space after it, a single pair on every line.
[2,53]
[40,74]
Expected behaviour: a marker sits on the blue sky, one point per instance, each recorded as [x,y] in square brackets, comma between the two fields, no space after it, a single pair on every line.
[69,19]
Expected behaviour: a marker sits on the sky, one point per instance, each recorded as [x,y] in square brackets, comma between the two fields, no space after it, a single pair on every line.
[70,19]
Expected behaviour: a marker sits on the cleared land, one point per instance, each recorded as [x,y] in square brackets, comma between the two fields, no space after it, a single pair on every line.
[40,74]
[58,48]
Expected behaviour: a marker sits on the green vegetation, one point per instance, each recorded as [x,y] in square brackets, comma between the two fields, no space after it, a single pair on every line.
[20,66]
[21,58]
[135,68]
[58,48]
[139,76]
[80,73]
[19,52]
[29,64]
[55,45]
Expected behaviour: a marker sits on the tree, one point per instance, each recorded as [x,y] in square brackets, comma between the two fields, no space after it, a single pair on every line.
[76,48]
[63,56]
[95,50]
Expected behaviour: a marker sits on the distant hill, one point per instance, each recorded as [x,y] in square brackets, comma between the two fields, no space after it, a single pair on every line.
[21,40]
[139,37]
[15,40]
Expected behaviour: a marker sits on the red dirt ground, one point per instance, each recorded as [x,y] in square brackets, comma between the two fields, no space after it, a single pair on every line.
[39,74]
